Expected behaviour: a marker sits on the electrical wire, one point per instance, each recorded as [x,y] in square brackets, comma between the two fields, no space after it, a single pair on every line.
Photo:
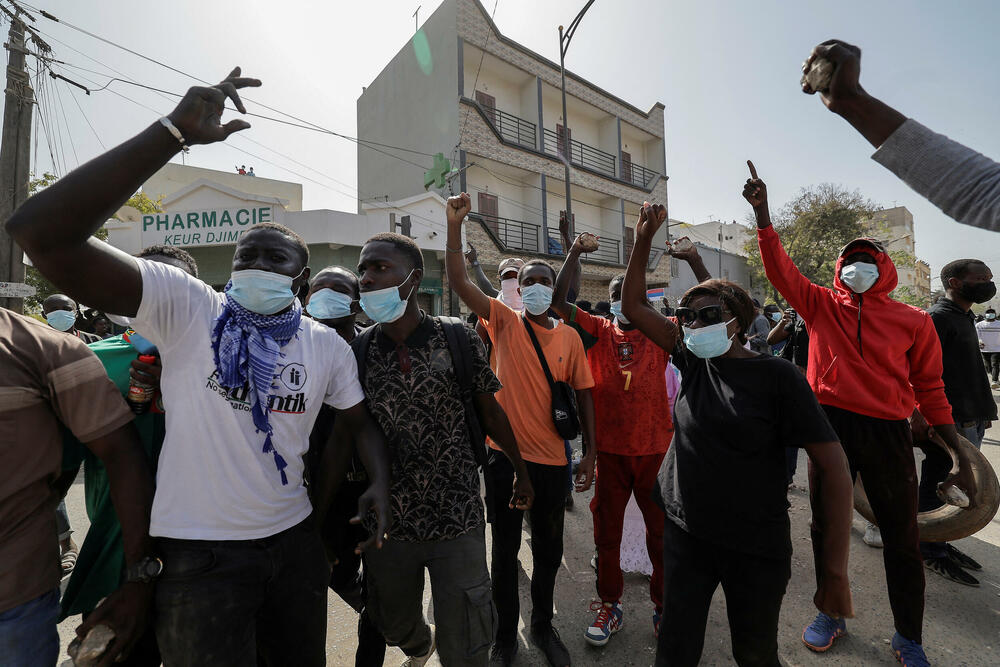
[87,118]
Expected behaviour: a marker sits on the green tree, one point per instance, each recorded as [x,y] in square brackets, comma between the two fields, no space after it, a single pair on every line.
[43,288]
[813,228]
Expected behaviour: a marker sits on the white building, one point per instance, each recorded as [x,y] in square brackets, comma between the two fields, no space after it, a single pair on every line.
[206,211]
[493,107]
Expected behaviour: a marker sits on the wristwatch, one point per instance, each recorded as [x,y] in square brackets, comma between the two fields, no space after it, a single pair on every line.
[145,571]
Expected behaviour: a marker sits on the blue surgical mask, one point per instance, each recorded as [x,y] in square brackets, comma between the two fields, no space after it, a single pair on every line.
[328,304]
[616,310]
[61,320]
[537,298]
[859,277]
[263,292]
[384,305]
[776,317]
[990,317]
[709,342]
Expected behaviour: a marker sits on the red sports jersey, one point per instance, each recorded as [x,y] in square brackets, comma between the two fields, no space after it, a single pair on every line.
[630,388]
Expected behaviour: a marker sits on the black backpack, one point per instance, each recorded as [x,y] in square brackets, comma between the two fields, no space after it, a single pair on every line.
[460,341]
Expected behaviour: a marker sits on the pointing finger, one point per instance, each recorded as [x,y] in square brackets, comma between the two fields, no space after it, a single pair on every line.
[753,171]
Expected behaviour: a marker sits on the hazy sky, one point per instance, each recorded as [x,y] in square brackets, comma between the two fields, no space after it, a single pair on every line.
[727,72]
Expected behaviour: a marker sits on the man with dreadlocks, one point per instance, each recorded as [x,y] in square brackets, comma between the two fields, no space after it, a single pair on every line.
[872,360]
[242,574]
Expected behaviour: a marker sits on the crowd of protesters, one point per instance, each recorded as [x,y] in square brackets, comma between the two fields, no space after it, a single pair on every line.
[295,451]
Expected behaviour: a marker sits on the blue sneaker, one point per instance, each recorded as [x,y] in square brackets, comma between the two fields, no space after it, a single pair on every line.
[819,634]
[607,623]
[909,654]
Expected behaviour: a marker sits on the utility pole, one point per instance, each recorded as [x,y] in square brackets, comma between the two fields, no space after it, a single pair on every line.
[564,40]
[15,164]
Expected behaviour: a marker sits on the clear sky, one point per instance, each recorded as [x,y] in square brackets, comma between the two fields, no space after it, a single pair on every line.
[727,72]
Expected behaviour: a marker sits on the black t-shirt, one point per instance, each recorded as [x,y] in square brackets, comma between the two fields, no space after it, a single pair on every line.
[723,479]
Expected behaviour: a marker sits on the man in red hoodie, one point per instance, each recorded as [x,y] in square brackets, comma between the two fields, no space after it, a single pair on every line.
[871,361]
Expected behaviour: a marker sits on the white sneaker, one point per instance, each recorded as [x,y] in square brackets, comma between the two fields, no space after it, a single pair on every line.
[421,660]
[873,536]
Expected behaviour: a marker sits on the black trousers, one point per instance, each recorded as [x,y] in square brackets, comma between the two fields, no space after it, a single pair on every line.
[546,516]
[243,602]
[881,452]
[754,586]
[992,361]
[347,578]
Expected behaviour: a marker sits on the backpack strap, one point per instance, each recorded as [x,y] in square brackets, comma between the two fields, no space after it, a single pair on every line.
[457,336]
[360,346]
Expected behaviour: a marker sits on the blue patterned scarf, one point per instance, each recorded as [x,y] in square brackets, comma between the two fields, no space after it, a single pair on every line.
[246,347]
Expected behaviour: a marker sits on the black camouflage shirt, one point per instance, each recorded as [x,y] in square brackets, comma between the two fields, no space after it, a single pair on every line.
[413,394]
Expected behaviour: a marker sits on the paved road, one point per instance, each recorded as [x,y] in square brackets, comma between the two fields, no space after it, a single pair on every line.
[961,627]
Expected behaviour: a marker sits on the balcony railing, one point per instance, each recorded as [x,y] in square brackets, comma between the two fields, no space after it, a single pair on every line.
[637,175]
[581,154]
[513,234]
[608,249]
[512,128]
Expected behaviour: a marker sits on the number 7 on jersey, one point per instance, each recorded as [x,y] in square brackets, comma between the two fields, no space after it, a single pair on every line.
[628,378]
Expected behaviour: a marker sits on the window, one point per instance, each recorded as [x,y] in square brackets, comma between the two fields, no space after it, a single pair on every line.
[489,105]
[489,210]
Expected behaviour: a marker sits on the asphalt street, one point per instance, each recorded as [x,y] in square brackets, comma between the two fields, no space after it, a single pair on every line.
[961,624]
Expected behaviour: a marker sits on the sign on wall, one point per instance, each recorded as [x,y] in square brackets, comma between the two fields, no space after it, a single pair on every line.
[221,226]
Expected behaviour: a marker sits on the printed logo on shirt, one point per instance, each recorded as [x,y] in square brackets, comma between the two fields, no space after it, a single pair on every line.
[288,403]
[625,352]
[293,376]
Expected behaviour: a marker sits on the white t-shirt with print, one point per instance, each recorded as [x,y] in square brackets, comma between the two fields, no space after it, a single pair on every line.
[214,481]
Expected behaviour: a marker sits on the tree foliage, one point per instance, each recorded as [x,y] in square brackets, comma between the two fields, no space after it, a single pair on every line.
[813,228]
[43,288]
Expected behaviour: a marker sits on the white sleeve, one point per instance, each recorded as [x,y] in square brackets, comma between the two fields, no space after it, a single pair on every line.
[172,301]
[344,389]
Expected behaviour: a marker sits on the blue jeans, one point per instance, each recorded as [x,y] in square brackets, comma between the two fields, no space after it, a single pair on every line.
[934,470]
[28,635]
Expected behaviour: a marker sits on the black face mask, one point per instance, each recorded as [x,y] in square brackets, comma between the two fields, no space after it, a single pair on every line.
[978,292]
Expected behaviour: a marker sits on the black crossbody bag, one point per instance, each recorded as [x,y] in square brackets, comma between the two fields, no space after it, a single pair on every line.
[564,415]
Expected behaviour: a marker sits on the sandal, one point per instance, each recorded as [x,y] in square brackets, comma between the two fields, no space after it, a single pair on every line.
[69,561]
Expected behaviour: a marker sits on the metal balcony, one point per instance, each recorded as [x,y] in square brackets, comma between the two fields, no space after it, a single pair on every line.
[512,234]
[581,154]
[637,175]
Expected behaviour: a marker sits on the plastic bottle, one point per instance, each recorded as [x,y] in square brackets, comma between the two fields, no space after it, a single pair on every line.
[140,394]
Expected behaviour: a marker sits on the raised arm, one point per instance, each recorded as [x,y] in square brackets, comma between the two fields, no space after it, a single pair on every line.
[569,273]
[780,270]
[692,257]
[477,270]
[964,184]
[458,278]
[564,241]
[780,330]
[635,306]
[55,227]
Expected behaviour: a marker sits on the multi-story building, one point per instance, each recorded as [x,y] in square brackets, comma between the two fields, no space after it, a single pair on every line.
[494,108]
[894,226]
[731,237]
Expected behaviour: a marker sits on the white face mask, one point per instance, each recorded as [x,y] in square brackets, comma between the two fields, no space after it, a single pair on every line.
[859,277]
[509,295]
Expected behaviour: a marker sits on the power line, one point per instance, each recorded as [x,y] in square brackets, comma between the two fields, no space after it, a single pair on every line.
[86,118]
[482,56]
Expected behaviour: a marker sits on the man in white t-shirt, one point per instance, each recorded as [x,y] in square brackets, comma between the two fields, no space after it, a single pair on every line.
[989,342]
[243,574]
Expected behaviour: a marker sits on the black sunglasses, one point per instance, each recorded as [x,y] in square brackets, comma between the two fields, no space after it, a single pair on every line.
[707,315]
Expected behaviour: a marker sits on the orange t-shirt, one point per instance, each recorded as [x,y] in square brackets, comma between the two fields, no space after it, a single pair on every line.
[526,397]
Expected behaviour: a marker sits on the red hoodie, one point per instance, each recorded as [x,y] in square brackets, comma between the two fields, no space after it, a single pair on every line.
[867,353]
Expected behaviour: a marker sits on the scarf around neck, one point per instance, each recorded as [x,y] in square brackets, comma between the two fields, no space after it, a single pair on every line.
[246,347]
